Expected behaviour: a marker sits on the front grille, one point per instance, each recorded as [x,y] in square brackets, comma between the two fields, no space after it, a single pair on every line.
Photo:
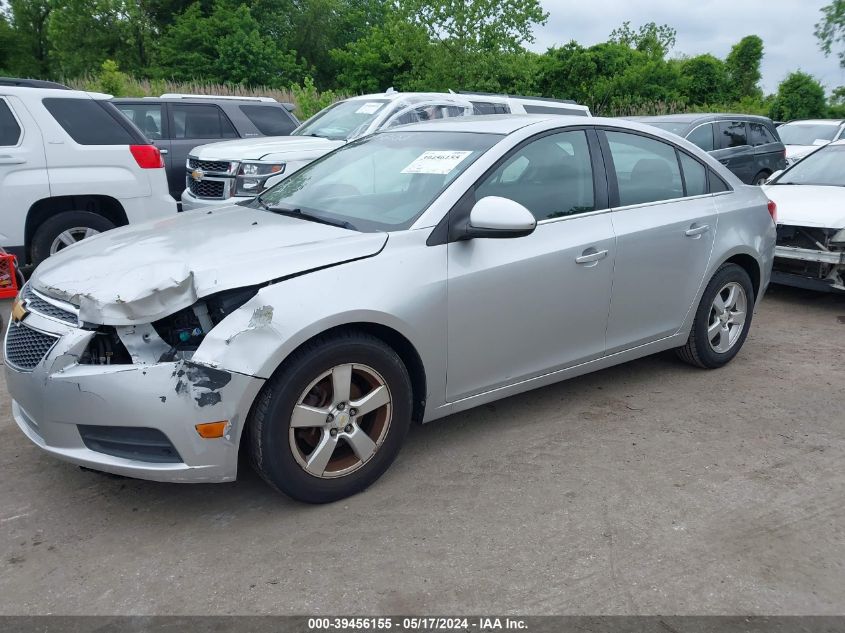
[209,165]
[139,443]
[37,304]
[26,347]
[207,188]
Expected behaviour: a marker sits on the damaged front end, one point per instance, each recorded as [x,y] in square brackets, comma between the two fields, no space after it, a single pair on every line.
[128,399]
[810,257]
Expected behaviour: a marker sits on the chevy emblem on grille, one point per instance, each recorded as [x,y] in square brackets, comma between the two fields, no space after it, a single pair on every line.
[197,174]
[18,311]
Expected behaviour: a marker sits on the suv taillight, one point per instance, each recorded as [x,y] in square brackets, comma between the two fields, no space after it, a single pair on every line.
[773,211]
[147,156]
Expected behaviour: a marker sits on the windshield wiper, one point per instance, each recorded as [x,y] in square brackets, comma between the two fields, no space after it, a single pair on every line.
[299,213]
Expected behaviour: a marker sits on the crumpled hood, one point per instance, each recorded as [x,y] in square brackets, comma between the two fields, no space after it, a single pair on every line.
[809,205]
[258,148]
[141,273]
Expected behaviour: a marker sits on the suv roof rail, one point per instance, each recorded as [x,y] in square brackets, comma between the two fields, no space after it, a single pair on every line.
[178,95]
[31,83]
[498,94]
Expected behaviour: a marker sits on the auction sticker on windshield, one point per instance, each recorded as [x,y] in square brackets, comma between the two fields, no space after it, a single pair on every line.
[371,107]
[436,162]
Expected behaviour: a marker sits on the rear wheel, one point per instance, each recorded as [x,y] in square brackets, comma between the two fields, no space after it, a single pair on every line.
[761,178]
[333,419]
[722,319]
[65,229]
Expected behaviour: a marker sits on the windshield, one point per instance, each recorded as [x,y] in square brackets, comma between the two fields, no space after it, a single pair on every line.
[343,120]
[670,126]
[804,134]
[823,167]
[382,182]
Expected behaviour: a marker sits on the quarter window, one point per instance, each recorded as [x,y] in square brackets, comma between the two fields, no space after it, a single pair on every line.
[646,169]
[702,136]
[90,122]
[695,175]
[200,121]
[10,131]
[760,135]
[732,134]
[270,120]
[552,177]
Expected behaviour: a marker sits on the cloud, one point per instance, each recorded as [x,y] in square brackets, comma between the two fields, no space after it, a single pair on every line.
[705,26]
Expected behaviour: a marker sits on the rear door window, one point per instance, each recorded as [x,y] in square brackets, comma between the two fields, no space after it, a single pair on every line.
[732,134]
[646,169]
[485,107]
[270,120]
[146,117]
[10,131]
[93,122]
[702,136]
[200,121]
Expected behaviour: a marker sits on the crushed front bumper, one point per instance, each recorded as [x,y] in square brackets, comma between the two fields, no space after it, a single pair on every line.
[813,269]
[58,401]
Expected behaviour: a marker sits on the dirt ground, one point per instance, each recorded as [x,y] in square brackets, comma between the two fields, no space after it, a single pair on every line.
[647,488]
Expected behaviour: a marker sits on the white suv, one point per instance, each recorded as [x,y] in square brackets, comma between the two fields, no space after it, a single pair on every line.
[234,171]
[71,166]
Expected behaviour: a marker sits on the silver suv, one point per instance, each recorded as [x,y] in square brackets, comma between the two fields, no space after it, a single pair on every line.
[235,171]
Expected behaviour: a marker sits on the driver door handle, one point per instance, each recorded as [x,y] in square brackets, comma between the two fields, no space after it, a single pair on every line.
[588,257]
[695,231]
[11,160]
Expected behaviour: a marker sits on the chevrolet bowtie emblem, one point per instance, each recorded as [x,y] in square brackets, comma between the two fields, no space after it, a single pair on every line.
[18,311]
[197,174]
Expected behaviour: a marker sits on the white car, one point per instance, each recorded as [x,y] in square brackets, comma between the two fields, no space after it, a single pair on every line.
[810,197]
[229,172]
[803,137]
[71,166]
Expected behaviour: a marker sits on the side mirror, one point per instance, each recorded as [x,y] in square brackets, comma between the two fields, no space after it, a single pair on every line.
[499,218]
[773,176]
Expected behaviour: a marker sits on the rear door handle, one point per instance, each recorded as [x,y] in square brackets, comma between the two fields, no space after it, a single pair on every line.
[11,160]
[590,255]
[695,231]
[162,151]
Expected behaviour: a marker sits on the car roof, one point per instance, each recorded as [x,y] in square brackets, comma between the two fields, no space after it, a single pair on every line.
[31,83]
[816,122]
[695,117]
[509,123]
[63,93]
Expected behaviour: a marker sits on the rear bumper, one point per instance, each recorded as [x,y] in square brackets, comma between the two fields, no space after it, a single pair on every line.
[51,402]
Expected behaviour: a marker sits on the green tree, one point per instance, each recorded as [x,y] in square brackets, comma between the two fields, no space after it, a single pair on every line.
[799,96]
[830,31]
[471,34]
[704,79]
[656,40]
[30,20]
[226,46]
[743,66]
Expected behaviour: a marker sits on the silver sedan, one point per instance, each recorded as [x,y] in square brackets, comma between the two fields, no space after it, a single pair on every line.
[404,277]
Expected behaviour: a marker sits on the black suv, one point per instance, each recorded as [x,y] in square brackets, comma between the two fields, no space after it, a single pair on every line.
[747,145]
[178,123]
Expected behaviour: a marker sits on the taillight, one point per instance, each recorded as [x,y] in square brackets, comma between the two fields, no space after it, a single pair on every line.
[147,156]
[773,211]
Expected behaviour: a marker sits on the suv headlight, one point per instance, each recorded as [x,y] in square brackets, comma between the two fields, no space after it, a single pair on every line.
[253,175]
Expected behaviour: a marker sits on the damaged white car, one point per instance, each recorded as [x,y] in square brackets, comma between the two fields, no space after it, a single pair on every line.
[406,276]
[810,195]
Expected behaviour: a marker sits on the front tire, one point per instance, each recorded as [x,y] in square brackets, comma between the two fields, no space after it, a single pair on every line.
[332,420]
[722,319]
[761,178]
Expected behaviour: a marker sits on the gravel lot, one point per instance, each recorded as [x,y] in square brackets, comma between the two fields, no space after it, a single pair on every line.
[647,488]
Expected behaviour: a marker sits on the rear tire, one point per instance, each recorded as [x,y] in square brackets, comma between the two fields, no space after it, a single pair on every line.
[304,414]
[717,333]
[74,225]
[761,178]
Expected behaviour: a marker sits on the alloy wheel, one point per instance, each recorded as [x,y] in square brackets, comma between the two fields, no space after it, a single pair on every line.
[71,236]
[340,420]
[727,317]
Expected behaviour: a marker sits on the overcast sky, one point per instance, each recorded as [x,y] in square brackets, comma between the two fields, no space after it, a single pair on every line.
[705,26]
